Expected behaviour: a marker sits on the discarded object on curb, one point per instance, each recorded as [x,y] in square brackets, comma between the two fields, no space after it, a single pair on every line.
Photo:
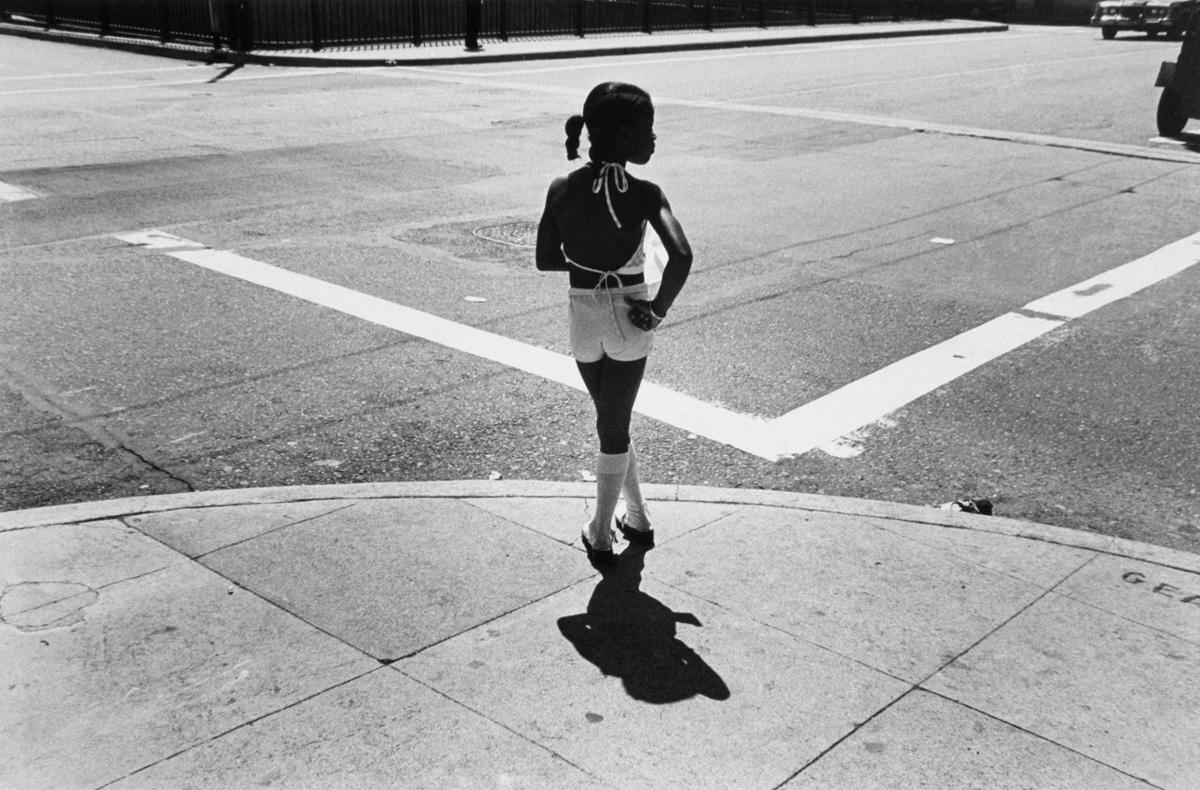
[588,477]
[495,476]
[940,240]
[476,299]
[981,506]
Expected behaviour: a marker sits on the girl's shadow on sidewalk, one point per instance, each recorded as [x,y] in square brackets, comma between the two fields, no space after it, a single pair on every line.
[630,635]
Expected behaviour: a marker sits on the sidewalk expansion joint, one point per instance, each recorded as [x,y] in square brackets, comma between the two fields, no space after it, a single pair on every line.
[780,629]
[853,729]
[1022,610]
[516,733]
[272,531]
[482,623]
[235,728]
[1038,736]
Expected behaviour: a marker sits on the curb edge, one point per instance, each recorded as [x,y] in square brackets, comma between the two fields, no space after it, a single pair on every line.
[81,512]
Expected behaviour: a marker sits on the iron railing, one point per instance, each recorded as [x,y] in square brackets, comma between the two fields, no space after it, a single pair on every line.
[322,24]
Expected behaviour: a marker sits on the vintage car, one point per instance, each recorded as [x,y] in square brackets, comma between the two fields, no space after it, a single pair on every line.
[1149,16]
[1180,81]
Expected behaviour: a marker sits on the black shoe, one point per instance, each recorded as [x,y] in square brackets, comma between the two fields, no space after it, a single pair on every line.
[642,537]
[597,556]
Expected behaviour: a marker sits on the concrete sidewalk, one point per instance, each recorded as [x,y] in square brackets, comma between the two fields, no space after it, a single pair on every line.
[518,49]
[454,635]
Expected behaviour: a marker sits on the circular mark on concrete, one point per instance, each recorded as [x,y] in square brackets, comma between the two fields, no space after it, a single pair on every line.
[512,234]
[38,606]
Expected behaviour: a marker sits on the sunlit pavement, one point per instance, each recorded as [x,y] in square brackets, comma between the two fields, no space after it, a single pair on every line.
[454,634]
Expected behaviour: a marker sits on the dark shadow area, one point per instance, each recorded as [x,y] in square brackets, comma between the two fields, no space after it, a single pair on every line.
[1190,140]
[630,635]
[225,73]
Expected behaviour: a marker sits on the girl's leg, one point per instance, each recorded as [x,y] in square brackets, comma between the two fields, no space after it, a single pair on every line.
[637,515]
[613,386]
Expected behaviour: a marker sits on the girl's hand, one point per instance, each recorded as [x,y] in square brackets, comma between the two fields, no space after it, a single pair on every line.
[641,314]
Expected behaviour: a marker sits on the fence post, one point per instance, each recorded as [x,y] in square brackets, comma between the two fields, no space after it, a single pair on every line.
[241,37]
[579,18]
[51,21]
[105,25]
[416,23]
[708,15]
[762,14]
[164,21]
[647,20]
[214,24]
[503,32]
[812,13]
[856,12]
[896,11]
[314,21]
[472,24]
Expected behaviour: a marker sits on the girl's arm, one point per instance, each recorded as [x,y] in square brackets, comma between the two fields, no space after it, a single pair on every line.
[679,257]
[549,255]
[648,315]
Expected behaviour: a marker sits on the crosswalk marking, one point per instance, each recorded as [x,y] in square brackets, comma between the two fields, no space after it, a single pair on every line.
[818,424]
[10,193]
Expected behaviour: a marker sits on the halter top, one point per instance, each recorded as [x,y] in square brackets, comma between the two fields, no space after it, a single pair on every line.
[611,175]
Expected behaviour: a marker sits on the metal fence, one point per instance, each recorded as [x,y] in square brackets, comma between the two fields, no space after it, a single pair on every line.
[324,24]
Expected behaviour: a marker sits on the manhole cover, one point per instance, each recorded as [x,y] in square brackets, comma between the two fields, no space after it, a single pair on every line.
[512,234]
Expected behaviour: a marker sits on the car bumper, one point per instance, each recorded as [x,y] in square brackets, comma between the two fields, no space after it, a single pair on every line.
[1121,22]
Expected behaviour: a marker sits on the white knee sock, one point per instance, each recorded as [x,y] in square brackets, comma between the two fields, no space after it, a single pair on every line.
[637,514]
[610,477]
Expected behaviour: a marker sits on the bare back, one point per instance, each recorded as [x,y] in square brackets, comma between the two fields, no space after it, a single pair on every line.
[588,229]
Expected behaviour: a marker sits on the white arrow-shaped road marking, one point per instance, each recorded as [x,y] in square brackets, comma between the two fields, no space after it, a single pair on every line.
[815,425]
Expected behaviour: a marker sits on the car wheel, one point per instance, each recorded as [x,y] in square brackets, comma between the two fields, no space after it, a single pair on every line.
[1171,115]
[1109,32]
[1176,31]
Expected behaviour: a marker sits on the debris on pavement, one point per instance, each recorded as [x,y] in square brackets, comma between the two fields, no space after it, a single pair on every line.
[981,506]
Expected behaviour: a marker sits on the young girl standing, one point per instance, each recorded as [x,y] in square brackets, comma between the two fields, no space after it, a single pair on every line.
[593,227]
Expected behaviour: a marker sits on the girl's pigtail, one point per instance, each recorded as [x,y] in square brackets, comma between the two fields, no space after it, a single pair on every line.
[574,130]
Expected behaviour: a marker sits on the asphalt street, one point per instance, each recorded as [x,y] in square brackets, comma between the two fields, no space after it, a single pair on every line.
[851,205]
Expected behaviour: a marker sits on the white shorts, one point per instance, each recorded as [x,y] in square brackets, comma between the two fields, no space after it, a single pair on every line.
[600,325]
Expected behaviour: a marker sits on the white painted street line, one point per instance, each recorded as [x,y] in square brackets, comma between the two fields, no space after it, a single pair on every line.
[823,421]
[923,127]
[654,401]
[264,74]
[157,240]
[950,130]
[1096,292]
[10,193]
[788,50]
[873,397]
[86,74]
[818,424]
[641,59]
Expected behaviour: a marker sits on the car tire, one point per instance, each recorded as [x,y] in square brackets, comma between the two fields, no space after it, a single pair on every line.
[1109,32]
[1171,114]
[1175,33]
